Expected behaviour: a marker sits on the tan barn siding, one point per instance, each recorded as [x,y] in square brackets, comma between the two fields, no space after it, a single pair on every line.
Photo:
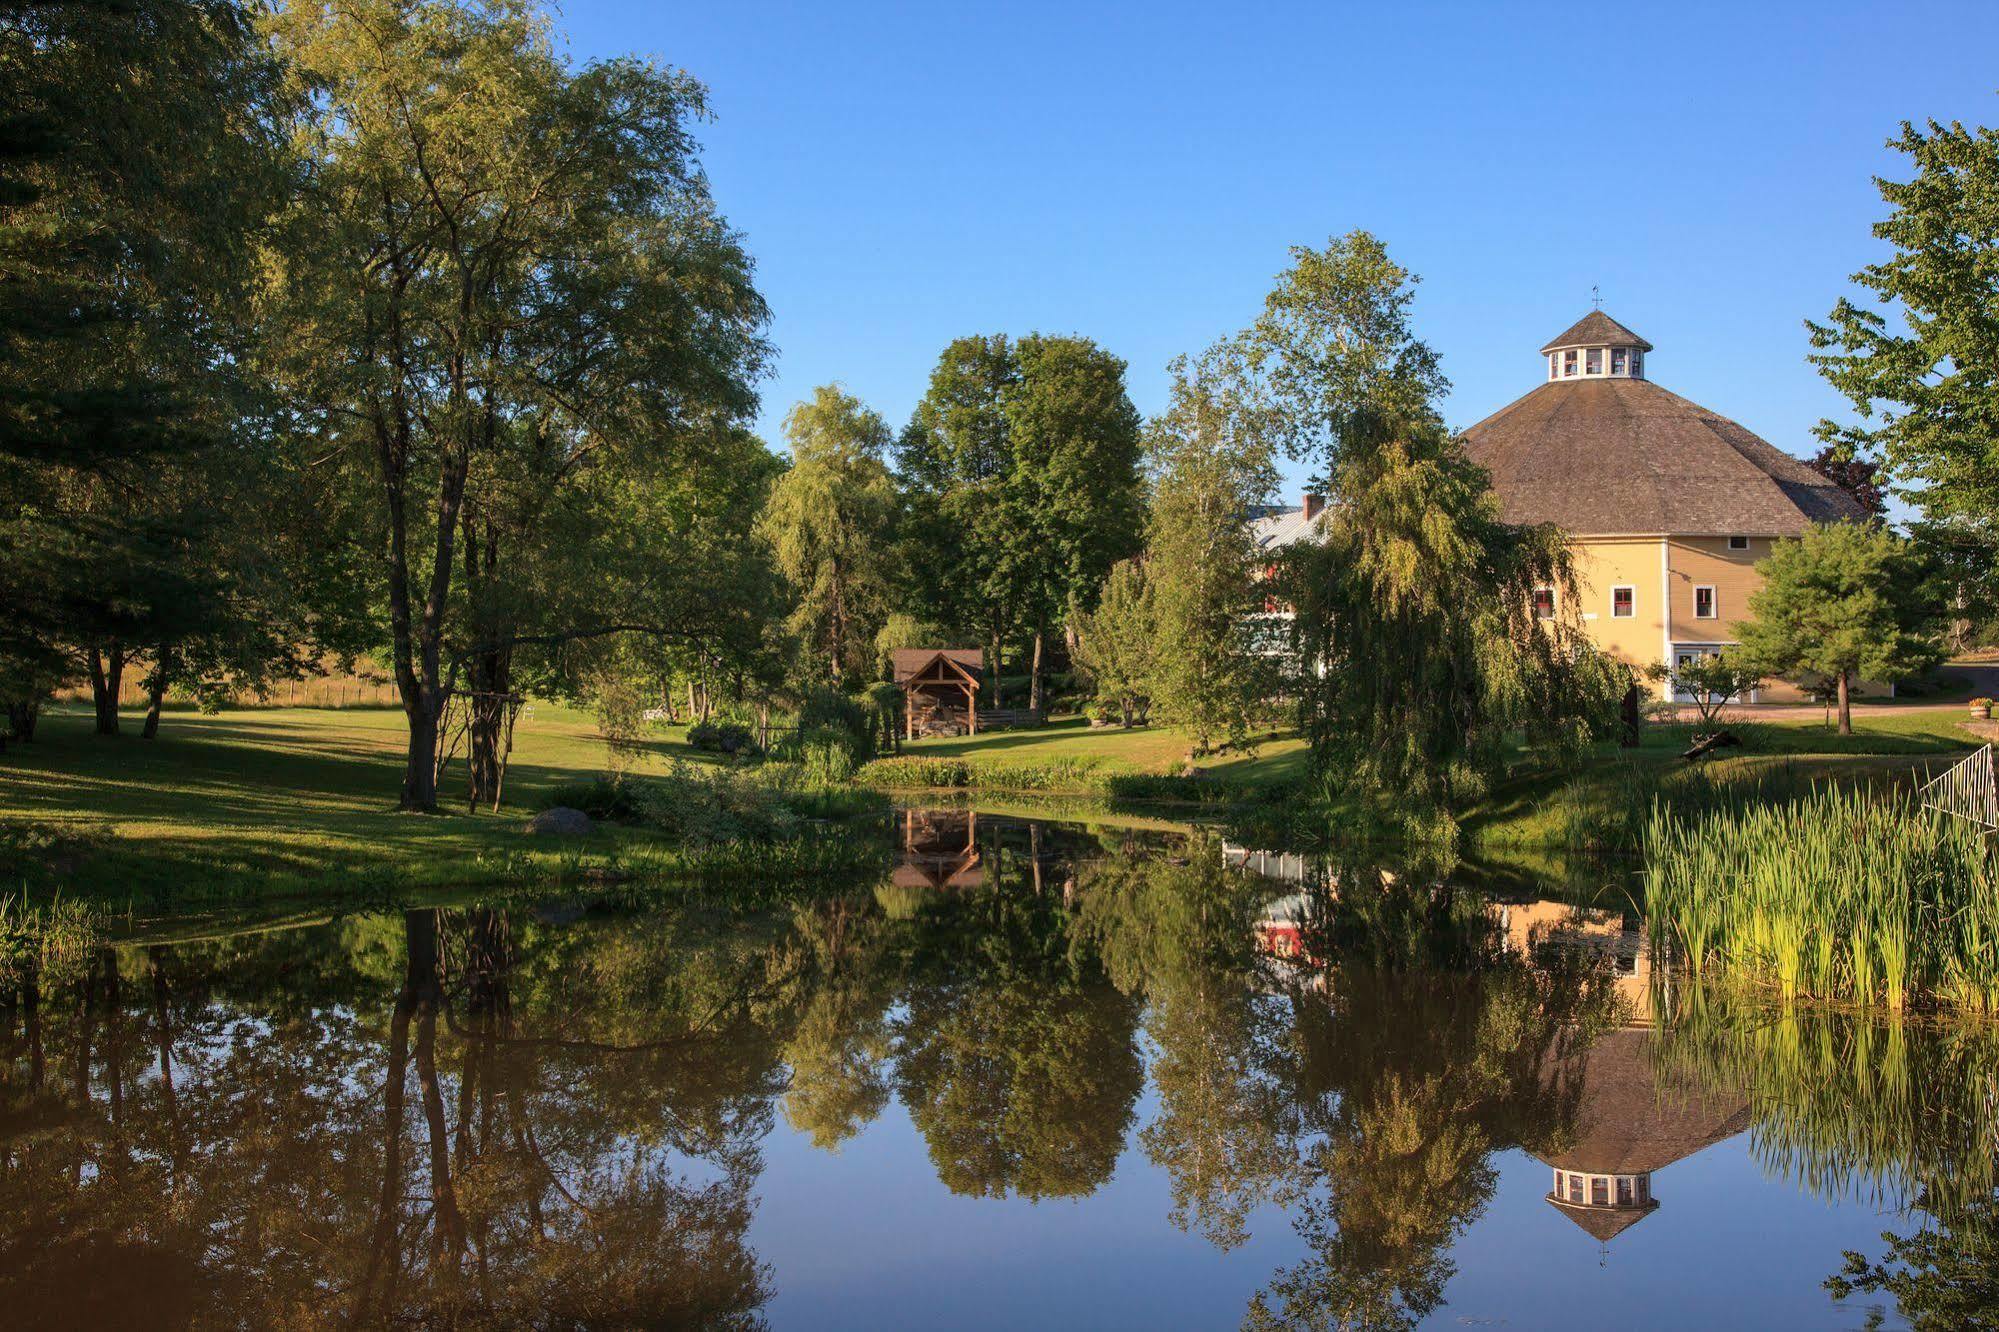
[1603,563]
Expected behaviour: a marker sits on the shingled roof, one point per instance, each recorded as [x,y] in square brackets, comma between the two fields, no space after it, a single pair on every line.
[1607,456]
[1597,329]
[910,662]
[1628,1124]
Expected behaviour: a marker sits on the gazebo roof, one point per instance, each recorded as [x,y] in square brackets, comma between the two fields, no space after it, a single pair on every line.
[912,662]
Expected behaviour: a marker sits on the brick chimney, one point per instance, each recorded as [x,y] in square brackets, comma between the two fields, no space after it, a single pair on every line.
[1315,504]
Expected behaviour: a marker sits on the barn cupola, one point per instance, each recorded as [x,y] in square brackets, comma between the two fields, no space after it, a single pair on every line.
[1596,347]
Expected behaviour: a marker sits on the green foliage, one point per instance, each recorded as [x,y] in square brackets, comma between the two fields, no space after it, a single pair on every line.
[1414,610]
[830,522]
[1837,895]
[903,630]
[1210,469]
[1419,605]
[45,946]
[1021,465]
[1844,602]
[1335,351]
[1920,372]
[720,737]
[506,302]
[1713,680]
[147,501]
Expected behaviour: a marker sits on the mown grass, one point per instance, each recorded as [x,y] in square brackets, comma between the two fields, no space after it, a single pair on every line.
[282,800]
[1070,757]
[1834,894]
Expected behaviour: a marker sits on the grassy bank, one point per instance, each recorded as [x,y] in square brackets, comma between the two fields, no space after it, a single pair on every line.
[270,801]
[1071,757]
[1604,806]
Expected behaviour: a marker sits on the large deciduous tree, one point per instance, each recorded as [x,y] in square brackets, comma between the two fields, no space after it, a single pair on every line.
[831,524]
[503,285]
[1022,470]
[137,161]
[1847,601]
[1415,609]
[1922,370]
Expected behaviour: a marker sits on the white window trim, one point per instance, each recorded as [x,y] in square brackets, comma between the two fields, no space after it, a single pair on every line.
[1632,588]
[1713,602]
[1743,539]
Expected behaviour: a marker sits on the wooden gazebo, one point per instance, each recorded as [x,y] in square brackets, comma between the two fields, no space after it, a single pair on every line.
[940,689]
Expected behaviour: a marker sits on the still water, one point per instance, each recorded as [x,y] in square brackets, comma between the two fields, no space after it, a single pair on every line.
[1019,1075]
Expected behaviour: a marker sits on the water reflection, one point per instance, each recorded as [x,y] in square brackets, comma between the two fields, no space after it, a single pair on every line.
[544,1113]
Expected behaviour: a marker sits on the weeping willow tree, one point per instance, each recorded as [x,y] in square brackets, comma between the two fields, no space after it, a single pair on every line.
[1418,611]
[1423,657]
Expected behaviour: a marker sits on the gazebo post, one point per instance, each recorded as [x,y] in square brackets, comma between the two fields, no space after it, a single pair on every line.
[972,709]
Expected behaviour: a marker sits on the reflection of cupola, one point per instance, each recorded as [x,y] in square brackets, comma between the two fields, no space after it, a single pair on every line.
[1628,1126]
[1603,1205]
[1597,347]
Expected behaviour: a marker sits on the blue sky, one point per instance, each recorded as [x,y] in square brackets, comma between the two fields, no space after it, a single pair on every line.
[909,173]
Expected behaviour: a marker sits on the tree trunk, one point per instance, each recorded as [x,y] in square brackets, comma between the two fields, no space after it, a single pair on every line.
[107,677]
[1034,676]
[22,716]
[156,689]
[491,680]
[420,773]
[1845,705]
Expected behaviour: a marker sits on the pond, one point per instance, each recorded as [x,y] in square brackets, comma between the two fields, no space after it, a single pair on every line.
[1022,1074]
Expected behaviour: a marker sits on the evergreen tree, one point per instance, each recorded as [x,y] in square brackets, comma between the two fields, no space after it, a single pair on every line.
[1118,643]
[1844,602]
[1210,470]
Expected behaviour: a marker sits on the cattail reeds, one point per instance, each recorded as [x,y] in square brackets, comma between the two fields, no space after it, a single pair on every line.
[1836,894]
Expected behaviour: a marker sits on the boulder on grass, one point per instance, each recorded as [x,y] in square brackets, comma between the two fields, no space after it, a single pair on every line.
[560,821]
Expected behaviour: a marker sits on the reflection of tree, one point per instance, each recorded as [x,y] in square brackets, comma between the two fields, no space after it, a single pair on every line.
[1180,931]
[839,1050]
[1942,1278]
[1898,1112]
[1422,1052]
[508,1146]
[1016,1061]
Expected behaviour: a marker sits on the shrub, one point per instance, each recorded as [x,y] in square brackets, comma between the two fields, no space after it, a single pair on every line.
[601,798]
[721,737]
[857,717]
[825,757]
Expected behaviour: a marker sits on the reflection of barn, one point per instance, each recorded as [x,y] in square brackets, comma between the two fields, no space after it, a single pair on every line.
[940,849]
[1627,1128]
[940,689]
[1591,934]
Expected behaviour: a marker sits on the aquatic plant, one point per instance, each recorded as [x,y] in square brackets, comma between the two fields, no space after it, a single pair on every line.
[44,945]
[1835,894]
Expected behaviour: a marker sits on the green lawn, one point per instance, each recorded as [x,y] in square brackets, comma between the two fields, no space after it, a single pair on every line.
[277,796]
[270,800]
[1145,749]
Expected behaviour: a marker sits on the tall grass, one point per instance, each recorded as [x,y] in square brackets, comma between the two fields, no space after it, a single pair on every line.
[1835,894]
[44,945]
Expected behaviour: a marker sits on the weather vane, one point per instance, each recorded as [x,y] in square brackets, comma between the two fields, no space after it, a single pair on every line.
[1596,298]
